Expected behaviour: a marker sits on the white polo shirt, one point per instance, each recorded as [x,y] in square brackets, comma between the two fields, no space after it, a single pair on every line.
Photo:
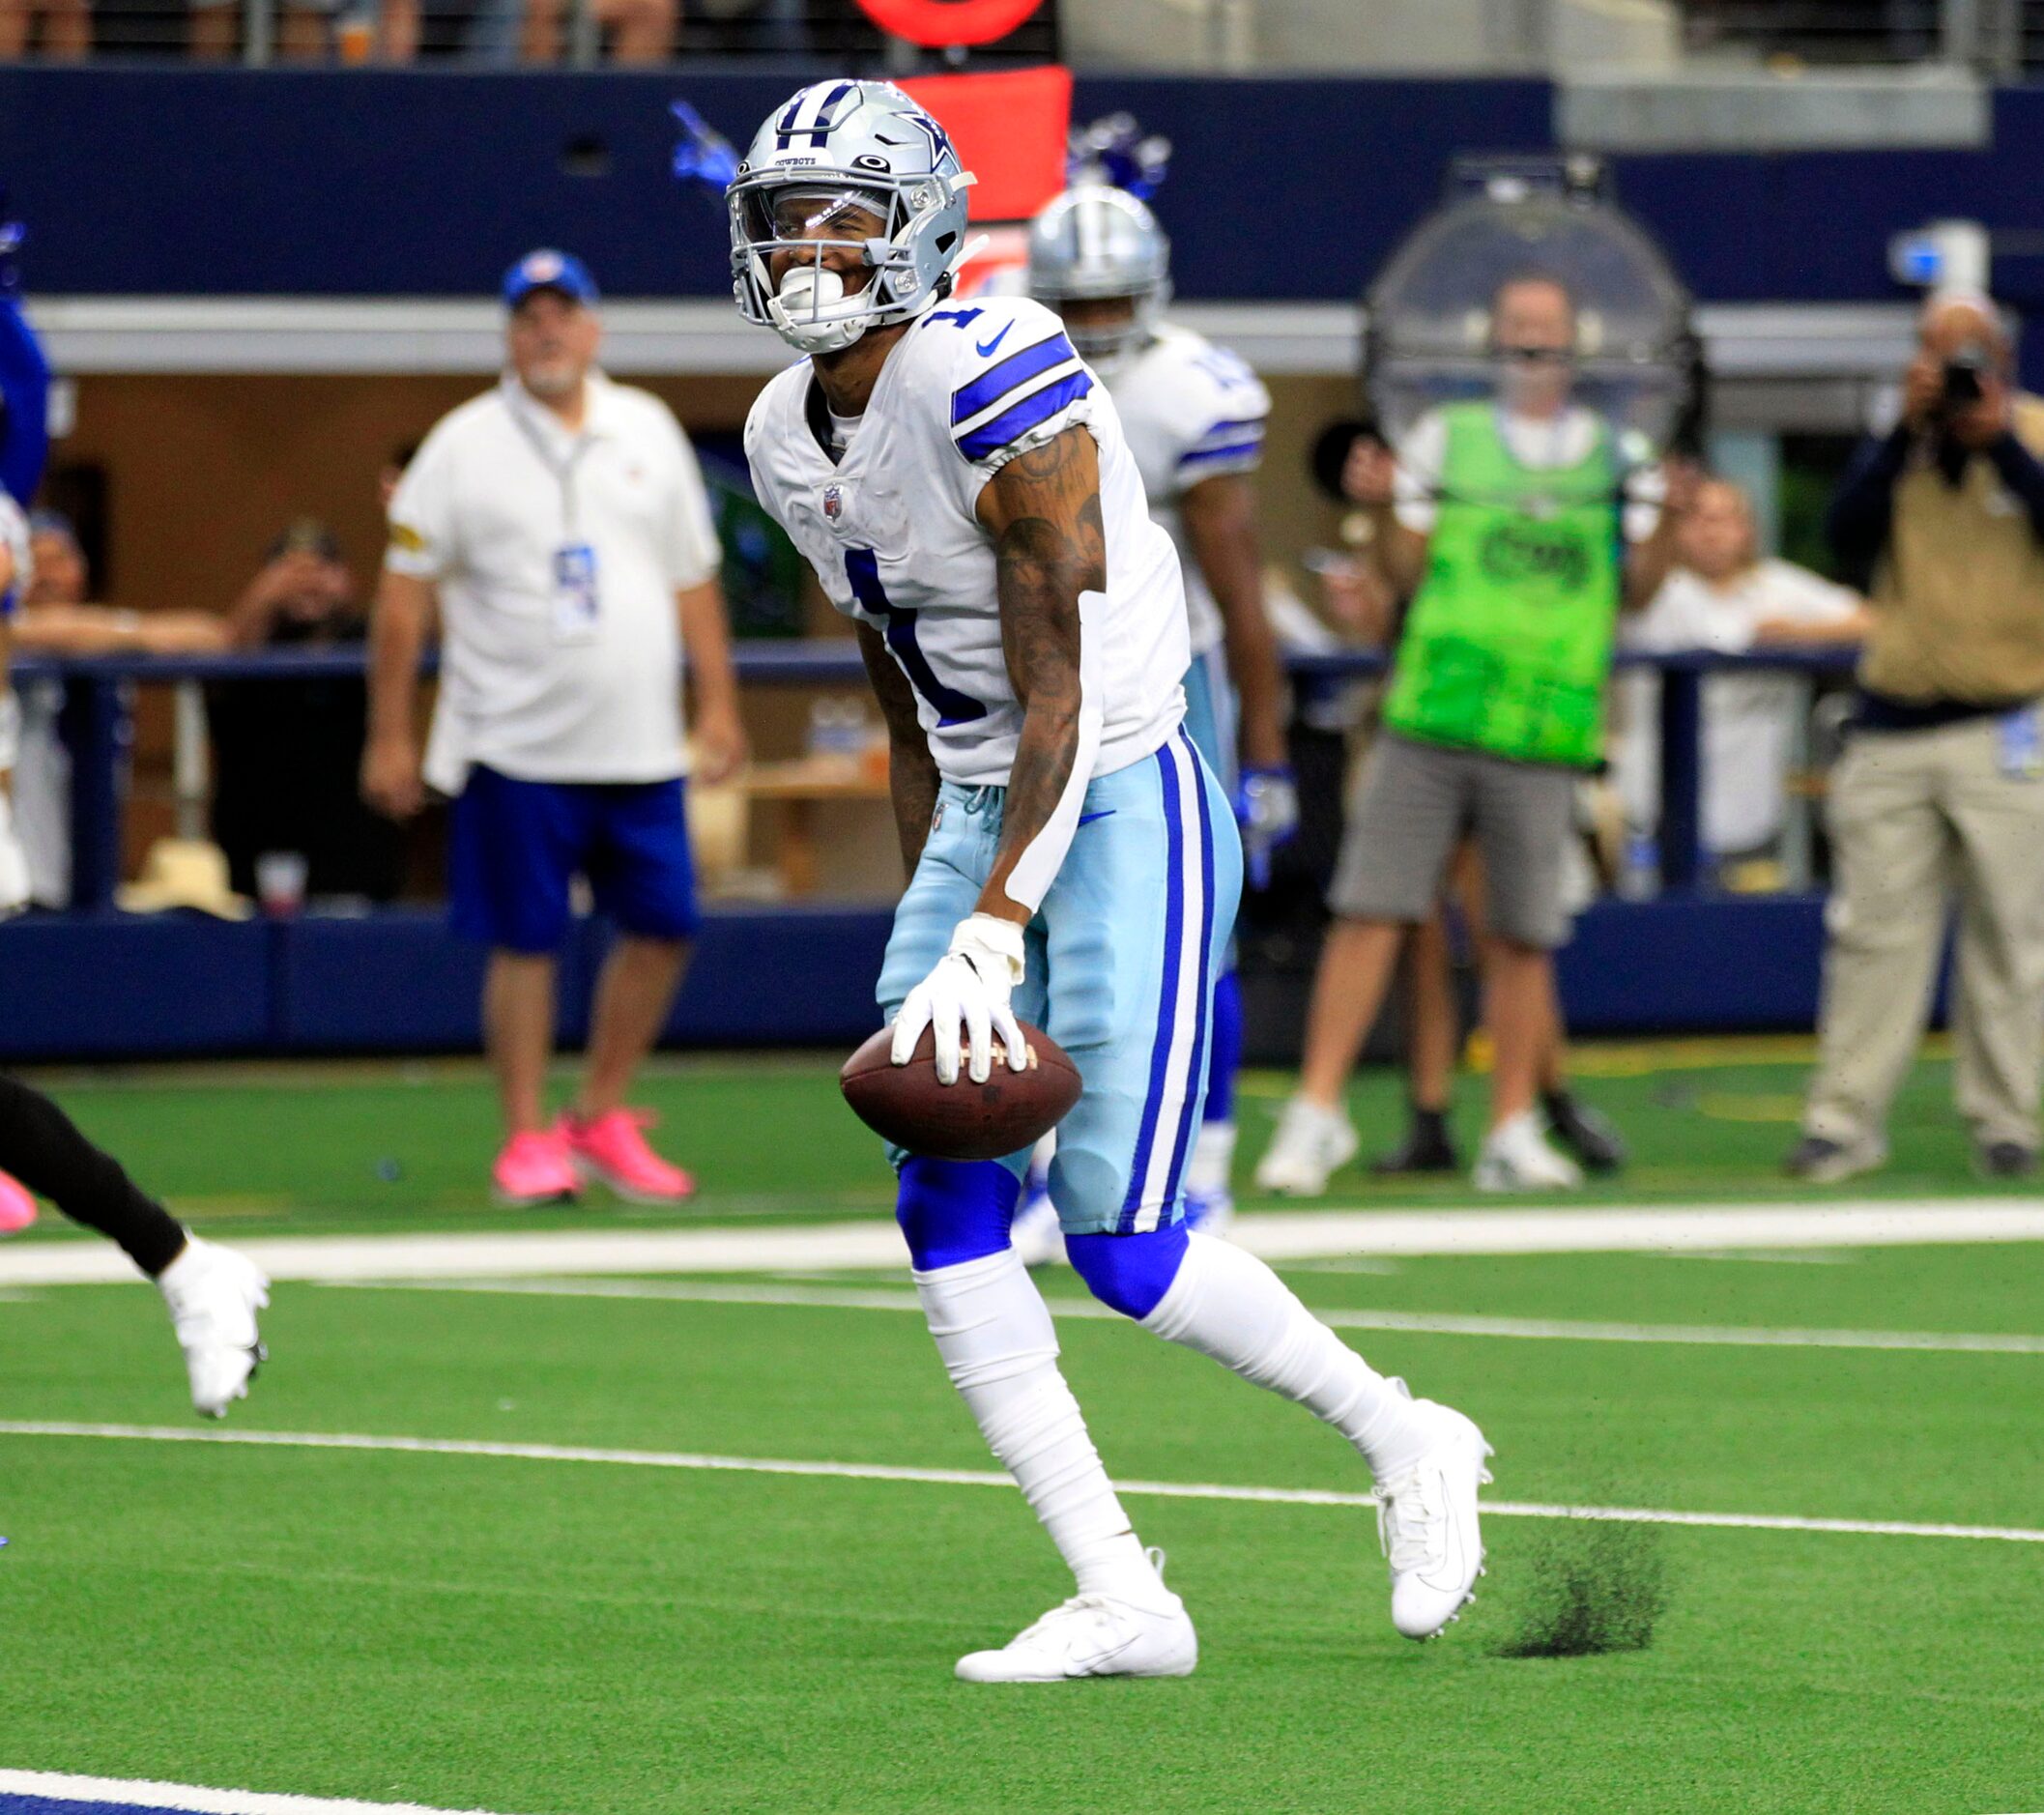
[555,666]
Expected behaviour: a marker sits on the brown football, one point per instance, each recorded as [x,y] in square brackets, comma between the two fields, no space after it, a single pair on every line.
[1011,1111]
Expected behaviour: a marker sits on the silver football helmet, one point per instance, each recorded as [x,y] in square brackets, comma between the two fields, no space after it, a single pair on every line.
[834,150]
[1097,241]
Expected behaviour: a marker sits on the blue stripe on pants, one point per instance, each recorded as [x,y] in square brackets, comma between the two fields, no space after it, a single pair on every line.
[1196,1065]
[1168,990]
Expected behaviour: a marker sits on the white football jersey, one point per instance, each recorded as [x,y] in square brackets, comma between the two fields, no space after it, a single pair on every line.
[1191,411]
[889,529]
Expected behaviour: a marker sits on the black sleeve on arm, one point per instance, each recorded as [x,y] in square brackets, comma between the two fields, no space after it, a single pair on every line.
[1863,506]
[2022,473]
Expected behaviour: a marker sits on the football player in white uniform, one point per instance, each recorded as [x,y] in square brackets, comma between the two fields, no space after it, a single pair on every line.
[960,483]
[1195,418]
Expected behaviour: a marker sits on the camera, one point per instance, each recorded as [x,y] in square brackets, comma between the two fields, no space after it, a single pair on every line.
[1962,375]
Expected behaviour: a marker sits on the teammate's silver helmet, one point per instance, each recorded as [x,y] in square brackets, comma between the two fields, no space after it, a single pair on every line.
[833,147]
[1097,240]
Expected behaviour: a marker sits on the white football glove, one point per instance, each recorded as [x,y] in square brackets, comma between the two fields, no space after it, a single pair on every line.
[971,984]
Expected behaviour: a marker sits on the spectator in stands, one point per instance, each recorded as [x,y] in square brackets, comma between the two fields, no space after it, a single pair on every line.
[1724,596]
[637,31]
[67,29]
[562,525]
[311,31]
[287,752]
[56,617]
[1518,526]
[1942,787]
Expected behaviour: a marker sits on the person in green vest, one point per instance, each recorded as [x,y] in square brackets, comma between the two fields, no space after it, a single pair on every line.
[1520,526]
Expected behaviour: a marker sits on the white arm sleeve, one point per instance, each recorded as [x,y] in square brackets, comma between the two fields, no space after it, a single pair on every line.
[1037,867]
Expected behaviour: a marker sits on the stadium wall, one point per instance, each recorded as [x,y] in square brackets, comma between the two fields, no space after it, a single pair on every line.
[188,181]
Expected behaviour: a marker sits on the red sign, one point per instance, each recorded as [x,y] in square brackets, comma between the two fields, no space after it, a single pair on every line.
[939,22]
[1009,127]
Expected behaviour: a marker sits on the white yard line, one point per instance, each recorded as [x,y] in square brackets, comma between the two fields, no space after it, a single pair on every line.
[1275,1235]
[124,1793]
[1413,1322]
[982,1477]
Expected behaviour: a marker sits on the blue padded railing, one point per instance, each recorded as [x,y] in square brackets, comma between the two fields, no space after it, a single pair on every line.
[94,721]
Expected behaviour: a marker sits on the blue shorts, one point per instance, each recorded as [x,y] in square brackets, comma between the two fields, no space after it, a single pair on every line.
[1210,717]
[517,844]
[1122,961]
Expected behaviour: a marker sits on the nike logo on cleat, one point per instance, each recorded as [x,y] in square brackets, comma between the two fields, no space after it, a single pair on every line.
[987,347]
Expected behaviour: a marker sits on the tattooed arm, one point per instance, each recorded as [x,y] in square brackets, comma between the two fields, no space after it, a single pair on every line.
[1042,511]
[911,772]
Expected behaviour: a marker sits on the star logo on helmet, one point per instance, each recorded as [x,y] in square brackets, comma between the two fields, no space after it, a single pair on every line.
[833,501]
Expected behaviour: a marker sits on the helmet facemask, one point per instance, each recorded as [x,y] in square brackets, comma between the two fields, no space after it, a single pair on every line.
[818,306]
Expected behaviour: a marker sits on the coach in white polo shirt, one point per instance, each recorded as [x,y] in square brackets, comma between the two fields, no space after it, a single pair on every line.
[561,523]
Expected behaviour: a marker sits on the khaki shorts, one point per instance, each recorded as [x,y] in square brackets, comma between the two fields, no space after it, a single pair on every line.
[1414,802]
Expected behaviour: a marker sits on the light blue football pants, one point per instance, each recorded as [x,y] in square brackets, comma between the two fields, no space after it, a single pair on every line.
[1122,961]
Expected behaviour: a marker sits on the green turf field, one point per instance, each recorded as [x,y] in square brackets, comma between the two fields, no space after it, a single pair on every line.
[538,1635]
[319,1149]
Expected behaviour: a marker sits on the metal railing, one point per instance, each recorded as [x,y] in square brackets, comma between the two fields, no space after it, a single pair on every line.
[485,33]
[1995,38]
[95,725]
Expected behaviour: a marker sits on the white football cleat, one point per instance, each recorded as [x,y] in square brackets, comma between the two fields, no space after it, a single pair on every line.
[1426,1521]
[1515,1157]
[213,1294]
[1093,1635]
[1311,1142]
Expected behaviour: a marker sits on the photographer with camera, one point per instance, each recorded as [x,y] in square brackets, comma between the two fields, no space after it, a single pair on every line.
[1942,787]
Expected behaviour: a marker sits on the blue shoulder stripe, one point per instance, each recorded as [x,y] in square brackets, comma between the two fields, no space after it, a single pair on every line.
[1038,407]
[1017,369]
[1239,450]
[1241,429]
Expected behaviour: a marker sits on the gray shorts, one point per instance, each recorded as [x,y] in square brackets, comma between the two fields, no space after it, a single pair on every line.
[1414,802]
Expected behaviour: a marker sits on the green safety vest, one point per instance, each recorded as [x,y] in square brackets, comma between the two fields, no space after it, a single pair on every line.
[1508,640]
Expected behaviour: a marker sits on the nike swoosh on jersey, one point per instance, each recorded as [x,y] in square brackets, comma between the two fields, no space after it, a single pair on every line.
[1087,819]
[987,347]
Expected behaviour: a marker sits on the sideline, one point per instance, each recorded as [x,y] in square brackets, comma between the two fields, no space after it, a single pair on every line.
[874,1242]
[1410,1322]
[987,1478]
[34,1789]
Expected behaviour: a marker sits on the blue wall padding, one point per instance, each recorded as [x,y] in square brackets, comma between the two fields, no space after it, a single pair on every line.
[123,986]
[418,181]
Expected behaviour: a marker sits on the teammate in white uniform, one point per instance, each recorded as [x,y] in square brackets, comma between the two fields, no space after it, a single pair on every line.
[1195,418]
[959,482]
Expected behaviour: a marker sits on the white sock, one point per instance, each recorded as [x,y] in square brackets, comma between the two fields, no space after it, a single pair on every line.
[1227,1304]
[994,1334]
[1211,1165]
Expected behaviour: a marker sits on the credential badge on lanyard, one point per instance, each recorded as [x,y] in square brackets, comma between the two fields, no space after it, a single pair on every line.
[578,595]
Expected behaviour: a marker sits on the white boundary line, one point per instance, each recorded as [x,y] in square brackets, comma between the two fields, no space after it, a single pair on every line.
[874,1242]
[984,1478]
[189,1797]
[1418,1323]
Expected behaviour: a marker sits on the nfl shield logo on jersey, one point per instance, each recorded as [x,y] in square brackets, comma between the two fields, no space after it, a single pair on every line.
[833,501]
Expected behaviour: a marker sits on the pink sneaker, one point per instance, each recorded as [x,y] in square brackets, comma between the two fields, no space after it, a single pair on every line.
[535,1168]
[614,1150]
[17,1209]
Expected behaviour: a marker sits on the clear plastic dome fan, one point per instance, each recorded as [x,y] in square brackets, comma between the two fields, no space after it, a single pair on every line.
[1428,334]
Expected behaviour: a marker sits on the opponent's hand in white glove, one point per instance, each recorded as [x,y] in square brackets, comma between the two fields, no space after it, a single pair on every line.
[970,987]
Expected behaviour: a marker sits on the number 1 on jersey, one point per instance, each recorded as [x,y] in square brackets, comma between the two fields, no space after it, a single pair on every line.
[862,568]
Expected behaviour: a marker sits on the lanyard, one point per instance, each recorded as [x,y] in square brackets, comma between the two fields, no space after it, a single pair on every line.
[562,471]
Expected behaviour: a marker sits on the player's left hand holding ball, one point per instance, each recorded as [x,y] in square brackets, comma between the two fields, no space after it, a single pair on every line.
[970,986]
